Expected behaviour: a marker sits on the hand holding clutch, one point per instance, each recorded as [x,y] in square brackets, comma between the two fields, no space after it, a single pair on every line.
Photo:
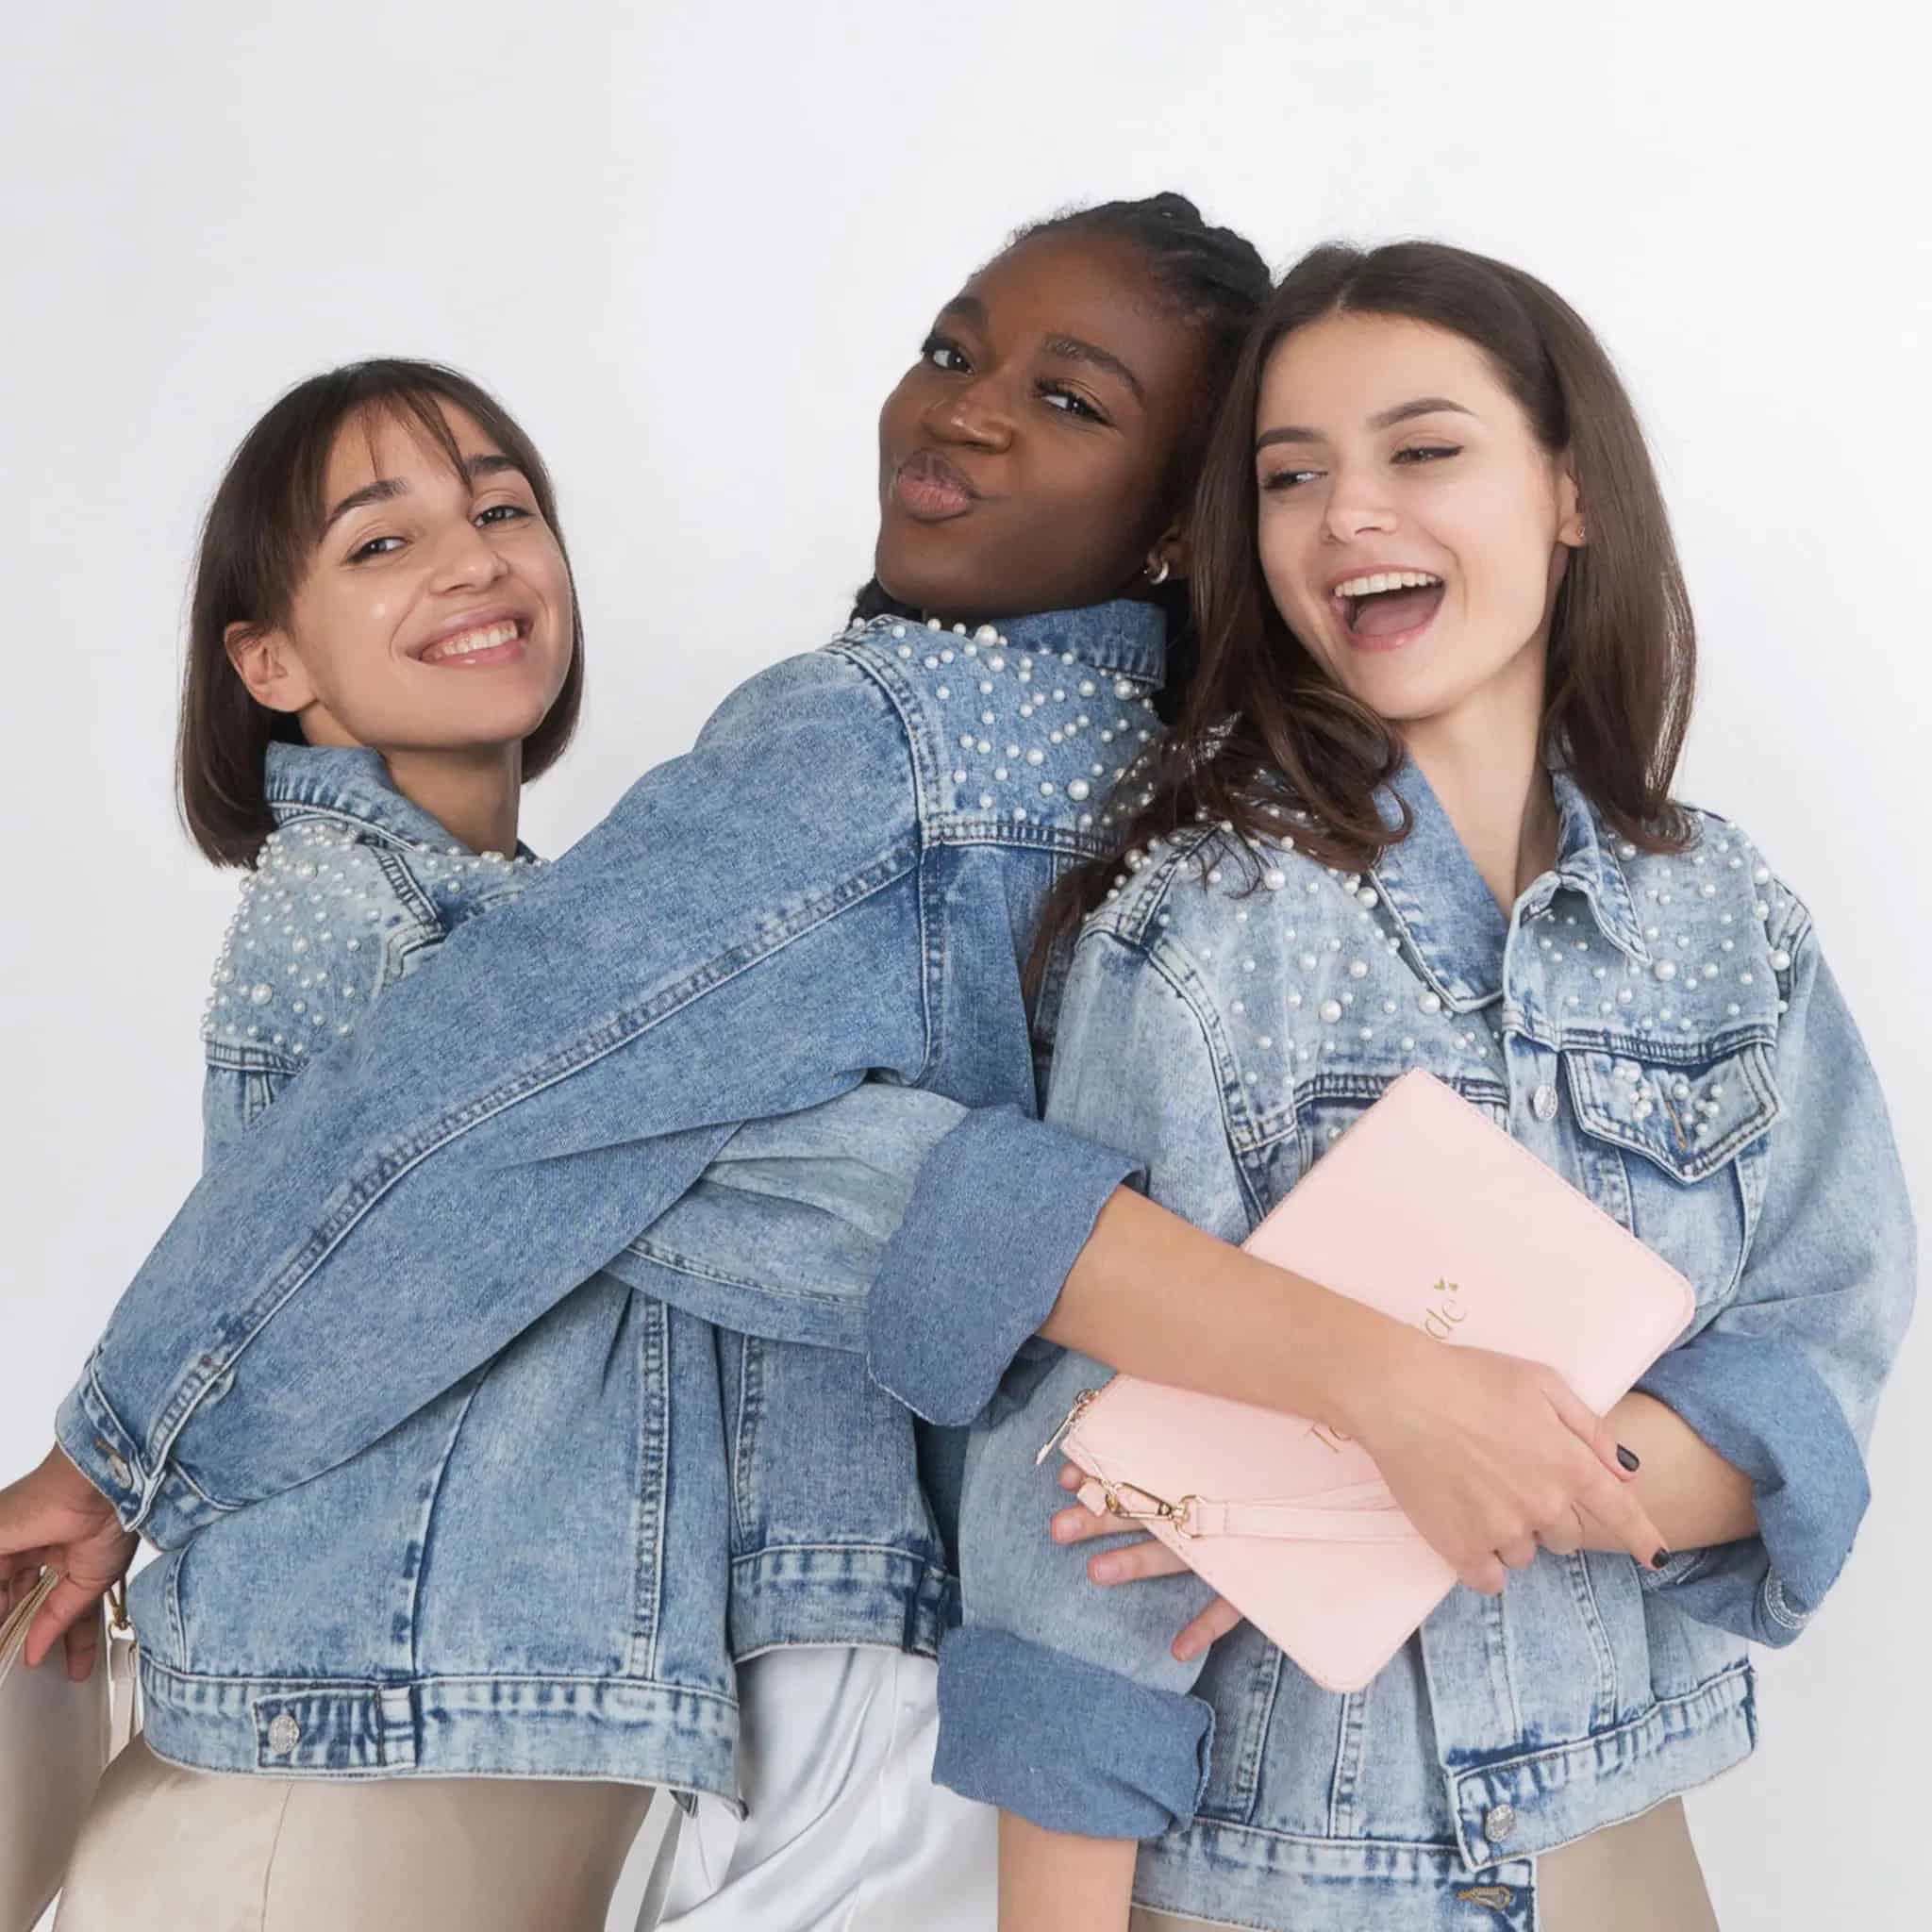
[53,1518]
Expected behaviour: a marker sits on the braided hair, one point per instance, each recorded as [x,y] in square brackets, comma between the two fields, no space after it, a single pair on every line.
[1217,282]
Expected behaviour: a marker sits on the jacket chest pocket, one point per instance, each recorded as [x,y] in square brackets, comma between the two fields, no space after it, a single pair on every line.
[1680,1148]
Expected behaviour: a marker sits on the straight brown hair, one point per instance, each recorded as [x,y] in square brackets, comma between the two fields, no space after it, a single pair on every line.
[257,541]
[1263,732]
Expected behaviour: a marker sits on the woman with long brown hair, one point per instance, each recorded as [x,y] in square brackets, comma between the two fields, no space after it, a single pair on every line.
[1419,813]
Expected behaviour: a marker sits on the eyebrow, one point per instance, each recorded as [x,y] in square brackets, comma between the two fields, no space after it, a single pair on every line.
[387,489]
[1383,419]
[1062,348]
[1072,349]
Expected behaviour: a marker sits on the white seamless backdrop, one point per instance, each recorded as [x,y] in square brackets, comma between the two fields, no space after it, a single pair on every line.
[694,245]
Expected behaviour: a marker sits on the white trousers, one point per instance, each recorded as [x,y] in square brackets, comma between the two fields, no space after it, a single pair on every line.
[845,1829]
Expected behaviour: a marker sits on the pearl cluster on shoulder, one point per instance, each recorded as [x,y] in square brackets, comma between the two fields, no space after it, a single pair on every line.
[1020,719]
[1308,981]
[308,944]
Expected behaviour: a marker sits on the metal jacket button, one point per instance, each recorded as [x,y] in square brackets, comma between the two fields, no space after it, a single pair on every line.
[1499,1823]
[1543,1102]
[117,1465]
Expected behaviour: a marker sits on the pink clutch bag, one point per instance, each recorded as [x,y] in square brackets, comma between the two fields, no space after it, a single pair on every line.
[1431,1214]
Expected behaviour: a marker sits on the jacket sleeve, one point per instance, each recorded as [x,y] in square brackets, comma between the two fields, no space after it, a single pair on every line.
[742,936]
[891,1224]
[1783,1382]
[1056,1701]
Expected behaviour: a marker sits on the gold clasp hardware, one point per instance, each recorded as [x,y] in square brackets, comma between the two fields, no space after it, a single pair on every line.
[1174,1514]
[117,1609]
[1499,1898]
[1079,1408]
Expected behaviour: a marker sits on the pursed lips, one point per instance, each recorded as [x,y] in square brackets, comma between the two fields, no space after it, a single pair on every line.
[932,488]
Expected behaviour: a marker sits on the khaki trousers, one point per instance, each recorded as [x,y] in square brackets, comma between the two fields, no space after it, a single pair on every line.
[164,1850]
[1642,1876]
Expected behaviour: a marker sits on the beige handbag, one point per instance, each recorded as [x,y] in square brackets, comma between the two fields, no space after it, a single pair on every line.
[56,1738]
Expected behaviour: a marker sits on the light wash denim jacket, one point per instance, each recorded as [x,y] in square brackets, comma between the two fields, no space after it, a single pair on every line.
[838,882]
[1662,1031]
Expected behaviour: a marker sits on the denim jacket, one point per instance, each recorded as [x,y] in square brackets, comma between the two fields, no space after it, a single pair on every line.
[838,882]
[1662,1031]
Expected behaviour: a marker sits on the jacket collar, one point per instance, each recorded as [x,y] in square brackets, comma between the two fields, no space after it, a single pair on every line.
[1452,920]
[353,784]
[1125,636]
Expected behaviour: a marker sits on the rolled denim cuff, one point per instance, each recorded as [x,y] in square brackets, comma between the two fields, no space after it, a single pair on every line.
[1064,1743]
[1763,1408]
[101,1446]
[999,1213]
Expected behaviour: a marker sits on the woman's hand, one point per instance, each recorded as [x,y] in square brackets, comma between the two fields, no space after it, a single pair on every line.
[1145,1557]
[1487,1454]
[55,1519]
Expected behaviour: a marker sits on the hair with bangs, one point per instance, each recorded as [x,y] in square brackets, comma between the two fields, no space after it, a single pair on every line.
[1265,731]
[256,544]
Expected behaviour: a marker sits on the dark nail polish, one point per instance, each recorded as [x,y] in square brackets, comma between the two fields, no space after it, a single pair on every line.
[1628,1457]
[1658,1561]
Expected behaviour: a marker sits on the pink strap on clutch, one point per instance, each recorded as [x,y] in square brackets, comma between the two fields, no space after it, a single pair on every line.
[1354,1513]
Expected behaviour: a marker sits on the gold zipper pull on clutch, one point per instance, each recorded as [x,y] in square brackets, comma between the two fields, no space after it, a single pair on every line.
[1067,1421]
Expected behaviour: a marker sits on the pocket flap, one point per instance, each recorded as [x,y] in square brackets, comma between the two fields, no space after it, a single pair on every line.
[1688,1118]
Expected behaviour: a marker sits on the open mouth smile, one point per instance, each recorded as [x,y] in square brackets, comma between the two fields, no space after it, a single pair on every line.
[1383,610]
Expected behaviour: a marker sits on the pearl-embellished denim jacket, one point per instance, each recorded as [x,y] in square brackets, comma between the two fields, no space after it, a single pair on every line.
[1663,1032]
[288,983]
[838,882]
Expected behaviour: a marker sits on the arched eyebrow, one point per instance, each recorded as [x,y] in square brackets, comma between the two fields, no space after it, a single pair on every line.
[387,489]
[1382,418]
[1062,348]
[1072,349]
